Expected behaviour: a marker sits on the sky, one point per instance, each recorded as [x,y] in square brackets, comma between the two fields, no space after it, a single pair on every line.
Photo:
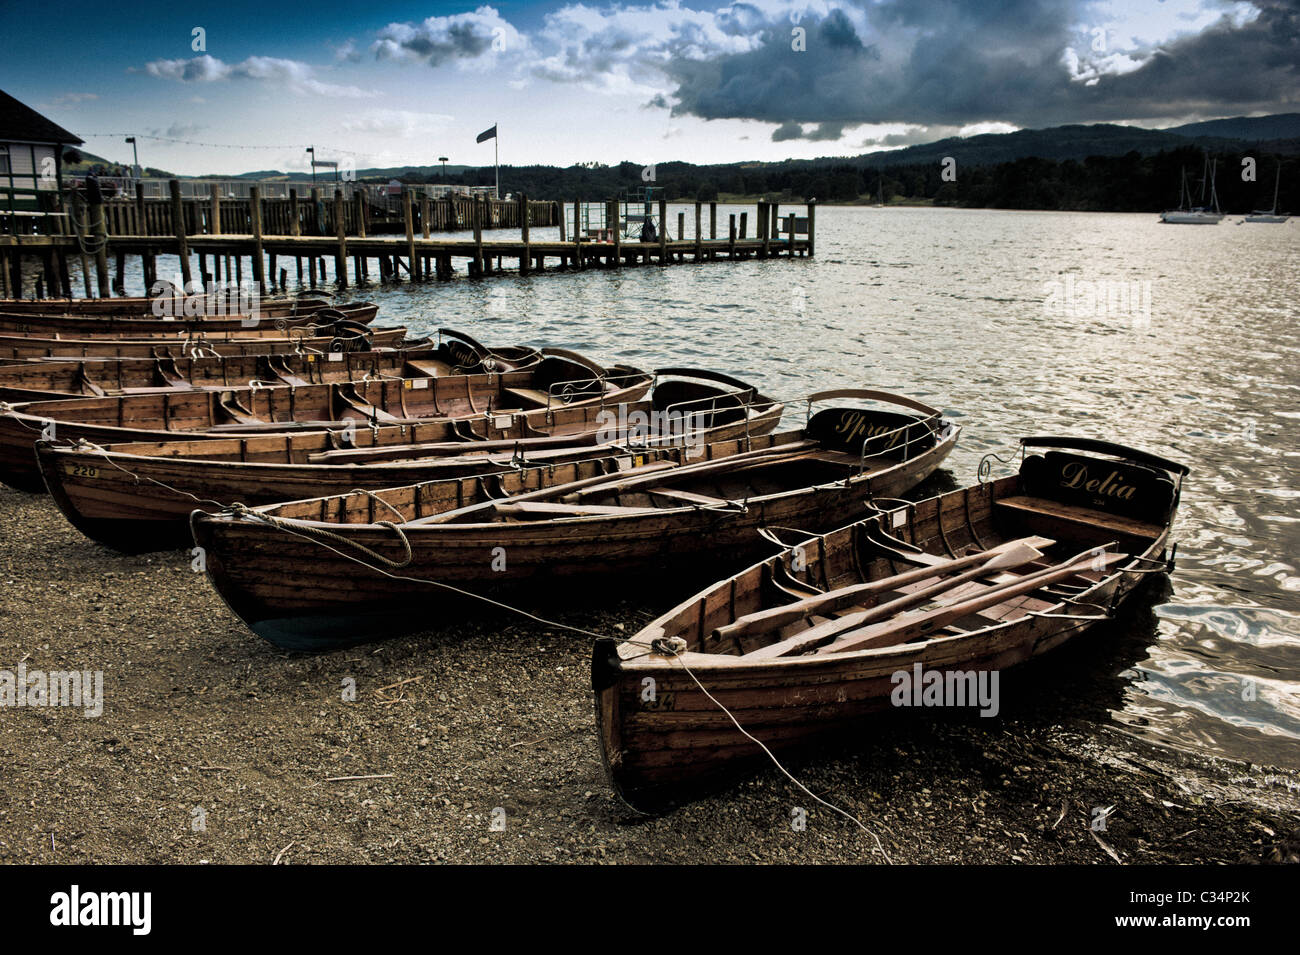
[241,85]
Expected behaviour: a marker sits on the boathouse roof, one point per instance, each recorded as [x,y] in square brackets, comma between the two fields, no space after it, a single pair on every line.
[22,124]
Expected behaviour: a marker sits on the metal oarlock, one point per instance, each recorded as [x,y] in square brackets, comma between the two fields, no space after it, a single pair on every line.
[986,464]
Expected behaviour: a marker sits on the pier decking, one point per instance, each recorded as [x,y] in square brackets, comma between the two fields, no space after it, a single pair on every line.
[189,232]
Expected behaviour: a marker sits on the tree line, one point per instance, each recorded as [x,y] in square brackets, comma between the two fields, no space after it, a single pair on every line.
[1132,182]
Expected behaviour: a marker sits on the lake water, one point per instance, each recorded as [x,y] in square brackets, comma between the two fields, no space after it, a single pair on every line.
[988,315]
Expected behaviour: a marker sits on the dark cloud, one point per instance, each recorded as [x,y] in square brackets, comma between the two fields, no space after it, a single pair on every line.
[440,40]
[822,131]
[957,62]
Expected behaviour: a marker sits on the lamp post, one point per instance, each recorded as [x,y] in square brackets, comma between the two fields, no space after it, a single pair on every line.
[312,150]
[443,160]
[135,152]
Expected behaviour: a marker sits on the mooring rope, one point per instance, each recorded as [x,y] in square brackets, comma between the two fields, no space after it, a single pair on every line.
[667,648]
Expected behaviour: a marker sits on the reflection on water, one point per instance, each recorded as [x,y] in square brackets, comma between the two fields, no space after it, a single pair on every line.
[969,310]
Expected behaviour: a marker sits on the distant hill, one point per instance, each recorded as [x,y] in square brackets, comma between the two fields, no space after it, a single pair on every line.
[1281,134]
[390,172]
[1248,128]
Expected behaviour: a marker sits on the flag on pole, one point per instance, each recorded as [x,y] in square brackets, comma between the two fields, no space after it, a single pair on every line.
[487,134]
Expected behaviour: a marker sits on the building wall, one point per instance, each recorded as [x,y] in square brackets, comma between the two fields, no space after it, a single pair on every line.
[27,169]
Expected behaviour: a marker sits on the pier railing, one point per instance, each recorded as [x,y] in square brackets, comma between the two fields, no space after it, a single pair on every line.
[312,214]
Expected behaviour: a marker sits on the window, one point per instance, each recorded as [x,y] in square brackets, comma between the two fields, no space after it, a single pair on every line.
[4,160]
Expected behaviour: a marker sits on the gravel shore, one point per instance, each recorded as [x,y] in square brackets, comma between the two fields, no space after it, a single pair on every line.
[215,747]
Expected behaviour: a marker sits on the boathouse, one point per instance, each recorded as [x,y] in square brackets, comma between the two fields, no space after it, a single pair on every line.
[31,158]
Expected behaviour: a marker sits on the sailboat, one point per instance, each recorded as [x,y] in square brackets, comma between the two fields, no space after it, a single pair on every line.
[880,203]
[1271,215]
[1185,214]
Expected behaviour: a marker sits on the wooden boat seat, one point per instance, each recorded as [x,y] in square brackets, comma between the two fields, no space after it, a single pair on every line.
[546,509]
[530,397]
[430,368]
[280,368]
[347,395]
[688,497]
[1080,516]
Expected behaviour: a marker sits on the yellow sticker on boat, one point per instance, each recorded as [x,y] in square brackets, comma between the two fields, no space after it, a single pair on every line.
[81,470]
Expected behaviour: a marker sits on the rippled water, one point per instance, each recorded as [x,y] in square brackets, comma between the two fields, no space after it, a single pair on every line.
[955,306]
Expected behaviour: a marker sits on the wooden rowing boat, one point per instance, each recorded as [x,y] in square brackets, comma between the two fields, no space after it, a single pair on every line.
[144,306]
[132,327]
[560,378]
[299,339]
[802,645]
[138,497]
[555,530]
[458,354]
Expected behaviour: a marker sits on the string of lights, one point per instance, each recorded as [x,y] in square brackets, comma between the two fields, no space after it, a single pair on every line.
[190,142]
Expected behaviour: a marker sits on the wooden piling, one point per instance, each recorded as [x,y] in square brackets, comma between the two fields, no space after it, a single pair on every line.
[178,224]
[478,235]
[617,229]
[295,223]
[812,218]
[577,233]
[100,231]
[663,231]
[408,214]
[424,220]
[214,222]
[525,260]
[341,254]
[713,220]
[255,220]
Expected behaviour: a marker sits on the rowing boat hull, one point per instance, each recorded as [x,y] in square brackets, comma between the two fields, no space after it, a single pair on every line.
[22,348]
[137,503]
[193,414]
[662,751]
[50,380]
[138,305]
[301,595]
[109,327]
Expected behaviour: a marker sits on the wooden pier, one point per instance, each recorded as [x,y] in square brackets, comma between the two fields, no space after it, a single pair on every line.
[318,233]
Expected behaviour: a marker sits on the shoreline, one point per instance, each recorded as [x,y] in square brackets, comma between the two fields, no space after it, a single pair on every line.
[215,747]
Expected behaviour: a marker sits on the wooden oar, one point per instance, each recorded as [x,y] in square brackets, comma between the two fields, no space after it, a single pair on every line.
[774,618]
[893,632]
[1016,556]
[539,494]
[636,477]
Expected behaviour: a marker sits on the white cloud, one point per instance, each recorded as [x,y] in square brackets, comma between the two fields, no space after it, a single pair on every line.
[474,40]
[404,124]
[293,75]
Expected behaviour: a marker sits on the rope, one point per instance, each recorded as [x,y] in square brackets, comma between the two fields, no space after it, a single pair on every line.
[308,531]
[672,648]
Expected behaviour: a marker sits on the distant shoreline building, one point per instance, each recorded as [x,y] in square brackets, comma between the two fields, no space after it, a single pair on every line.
[31,158]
